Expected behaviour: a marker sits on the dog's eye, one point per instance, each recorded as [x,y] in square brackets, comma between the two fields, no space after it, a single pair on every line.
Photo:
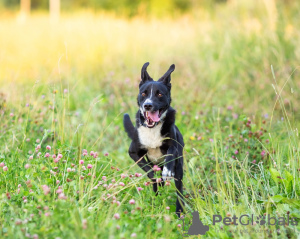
[144,94]
[159,95]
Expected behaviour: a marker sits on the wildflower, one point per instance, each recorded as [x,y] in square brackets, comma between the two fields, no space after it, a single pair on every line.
[47,155]
[11,114]
[62,196]
[211,140]
[57,181]
[147,183]
[5,168]
[81,162]
[156,168]
[27,166]
[92,153]
[113,180]
[106,154]
[69,170]
[65,91]
[104,178]
[122,184]
[118,227]
[59,156]
[38,141]
[131,201]
[158,180]
[263,153]
[133,235]
[168,183]
[56,160]
[84,224]
[168,208]
[46,189]
[89,166]
[246,140]
[31,157]
[167,218]
[18,222]
[54,156]
[123,175]
[48,147]
[140,189]
[236,152]
[179,225]
[117,216]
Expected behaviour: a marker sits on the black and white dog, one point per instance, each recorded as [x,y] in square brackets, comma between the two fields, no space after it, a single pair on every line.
[156,136]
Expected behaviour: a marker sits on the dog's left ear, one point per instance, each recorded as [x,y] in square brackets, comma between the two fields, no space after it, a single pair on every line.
[166,78]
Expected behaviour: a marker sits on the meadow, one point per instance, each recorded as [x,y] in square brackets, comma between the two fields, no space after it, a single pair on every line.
[64,87]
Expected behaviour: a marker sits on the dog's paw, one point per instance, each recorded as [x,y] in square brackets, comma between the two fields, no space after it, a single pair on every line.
[151,175]
[167,173]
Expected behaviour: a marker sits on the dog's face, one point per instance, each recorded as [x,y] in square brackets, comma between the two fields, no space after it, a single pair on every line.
[154,97]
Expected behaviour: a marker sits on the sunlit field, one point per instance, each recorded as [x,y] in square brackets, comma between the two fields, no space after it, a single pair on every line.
[64,87]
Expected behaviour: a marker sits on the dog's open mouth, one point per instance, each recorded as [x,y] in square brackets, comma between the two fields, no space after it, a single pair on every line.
[152,118]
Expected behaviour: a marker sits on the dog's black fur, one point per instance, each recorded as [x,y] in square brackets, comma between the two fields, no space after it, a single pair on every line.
[156,136]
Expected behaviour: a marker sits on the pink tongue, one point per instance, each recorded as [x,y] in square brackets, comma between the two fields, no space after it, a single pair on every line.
[154,116]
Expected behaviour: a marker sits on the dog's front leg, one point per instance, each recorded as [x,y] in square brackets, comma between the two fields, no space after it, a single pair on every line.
[168,170]
[137,154]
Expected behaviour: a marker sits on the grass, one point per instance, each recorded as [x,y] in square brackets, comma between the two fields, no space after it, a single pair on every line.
[67,85]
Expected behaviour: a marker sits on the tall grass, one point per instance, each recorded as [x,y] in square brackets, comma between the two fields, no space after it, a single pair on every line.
[67,85]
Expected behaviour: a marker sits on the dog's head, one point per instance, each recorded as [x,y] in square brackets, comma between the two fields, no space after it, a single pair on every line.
[154,97]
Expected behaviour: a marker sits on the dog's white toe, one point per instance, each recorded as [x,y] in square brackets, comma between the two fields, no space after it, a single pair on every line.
[166,173]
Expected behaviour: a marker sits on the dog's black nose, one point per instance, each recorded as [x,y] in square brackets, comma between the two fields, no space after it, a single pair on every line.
[148,106]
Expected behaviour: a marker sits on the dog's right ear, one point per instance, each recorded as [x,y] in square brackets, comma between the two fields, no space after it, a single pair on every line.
[145,76]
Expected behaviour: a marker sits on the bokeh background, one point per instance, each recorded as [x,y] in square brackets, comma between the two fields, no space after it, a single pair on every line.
[223,52]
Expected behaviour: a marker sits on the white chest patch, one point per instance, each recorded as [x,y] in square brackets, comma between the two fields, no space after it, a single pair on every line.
[151,139]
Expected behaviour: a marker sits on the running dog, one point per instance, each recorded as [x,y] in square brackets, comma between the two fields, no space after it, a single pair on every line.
[156,140]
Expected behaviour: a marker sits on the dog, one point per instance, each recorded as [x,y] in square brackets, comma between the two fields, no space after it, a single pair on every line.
[156,140]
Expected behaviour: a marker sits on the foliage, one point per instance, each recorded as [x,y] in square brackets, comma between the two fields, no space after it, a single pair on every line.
[66,85]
